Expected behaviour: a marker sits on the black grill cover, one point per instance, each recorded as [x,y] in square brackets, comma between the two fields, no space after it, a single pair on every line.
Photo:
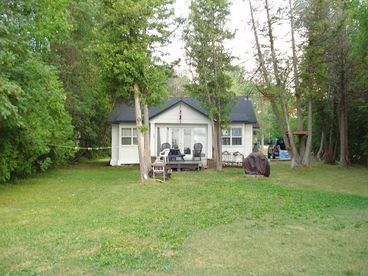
[257,164]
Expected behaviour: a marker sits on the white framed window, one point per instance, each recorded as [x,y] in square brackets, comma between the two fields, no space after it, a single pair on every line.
[232,136]
[129,136]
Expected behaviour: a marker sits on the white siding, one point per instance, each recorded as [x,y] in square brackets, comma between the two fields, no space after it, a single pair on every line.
[122,154]
[114,144]
[189,117]
[128,154]
[247,141]
[248,138]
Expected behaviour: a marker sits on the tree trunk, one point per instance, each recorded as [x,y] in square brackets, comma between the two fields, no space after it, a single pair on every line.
[214,144]
[320,150]
[307,155]
[330,148]
[219,148]
[266,78]
[288,137]
[258,45]
[299,113]
[272,46]
[280,125]
[295,157]
[343,121]
[147,151]
[140,138]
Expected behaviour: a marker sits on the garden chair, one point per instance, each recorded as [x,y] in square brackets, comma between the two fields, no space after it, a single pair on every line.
[163,155]
[165,146]
[197,151]
[158,167]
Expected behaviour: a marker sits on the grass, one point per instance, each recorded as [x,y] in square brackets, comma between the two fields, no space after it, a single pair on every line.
[95,219]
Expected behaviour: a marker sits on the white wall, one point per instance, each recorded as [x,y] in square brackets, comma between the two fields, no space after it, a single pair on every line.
[122,154]
[114,144]
[247,141]
[189,117]
[129,154]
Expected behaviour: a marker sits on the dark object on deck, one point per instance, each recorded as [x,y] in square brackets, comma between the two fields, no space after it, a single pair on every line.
[257,164]
[175,154]
[197,150]
[165,146]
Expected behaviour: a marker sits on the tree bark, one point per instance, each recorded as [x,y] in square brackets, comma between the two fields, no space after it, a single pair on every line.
[296,73]
[295,157]
[299,113]
[215,152]
[343,78]
[307,155]
[219,148]
[321,147]
[147,151]
[140,137]
[258,45]
[281,125]
[267,80]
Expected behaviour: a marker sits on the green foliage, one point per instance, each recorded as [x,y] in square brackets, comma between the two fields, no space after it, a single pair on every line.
[359,84]
[328,53]
[205,36]
[32,110]
[87,98]
[265,117]
[128,36]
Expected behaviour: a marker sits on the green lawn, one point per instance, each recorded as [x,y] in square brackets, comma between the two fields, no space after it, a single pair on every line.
[95,219]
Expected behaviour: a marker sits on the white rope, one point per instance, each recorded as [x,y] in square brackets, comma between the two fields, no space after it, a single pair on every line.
[81,148]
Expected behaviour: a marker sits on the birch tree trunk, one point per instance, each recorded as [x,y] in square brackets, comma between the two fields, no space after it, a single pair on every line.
[295,157]
[215,152]
[343,126]
[147,151]
[299,114]
[267,80]
[219,148]
[296,162]
[140,138]
[307,155]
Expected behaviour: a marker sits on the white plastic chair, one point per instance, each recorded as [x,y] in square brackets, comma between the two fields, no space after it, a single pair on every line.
[163,155]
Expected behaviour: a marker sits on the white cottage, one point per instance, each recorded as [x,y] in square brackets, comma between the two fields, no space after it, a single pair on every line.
[181,122]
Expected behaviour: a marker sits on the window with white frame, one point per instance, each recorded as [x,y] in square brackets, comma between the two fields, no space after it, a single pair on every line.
[232,136]
[129,136]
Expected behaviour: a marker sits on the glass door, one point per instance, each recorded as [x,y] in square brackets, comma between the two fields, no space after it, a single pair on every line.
[174,134]
[182,138]
[187,142]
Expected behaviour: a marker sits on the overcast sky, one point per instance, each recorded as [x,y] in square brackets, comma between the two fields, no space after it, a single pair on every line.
[242,46]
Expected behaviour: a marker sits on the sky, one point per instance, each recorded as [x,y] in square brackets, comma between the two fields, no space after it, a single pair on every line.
[242,46]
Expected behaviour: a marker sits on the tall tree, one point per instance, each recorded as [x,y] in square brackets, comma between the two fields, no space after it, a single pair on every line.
[129,35]
[34,126]
[87,99]
[204,37]
[275,79]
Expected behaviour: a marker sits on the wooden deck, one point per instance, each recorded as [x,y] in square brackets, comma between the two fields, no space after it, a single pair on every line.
[181,165]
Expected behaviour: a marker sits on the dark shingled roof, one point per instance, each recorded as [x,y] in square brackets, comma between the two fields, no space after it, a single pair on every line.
[241,112]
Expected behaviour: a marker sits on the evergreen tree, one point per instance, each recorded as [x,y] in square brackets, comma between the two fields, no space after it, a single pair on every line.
[129,35]
[204,37]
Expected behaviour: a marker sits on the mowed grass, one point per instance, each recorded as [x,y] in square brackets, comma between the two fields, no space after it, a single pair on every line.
[95,219]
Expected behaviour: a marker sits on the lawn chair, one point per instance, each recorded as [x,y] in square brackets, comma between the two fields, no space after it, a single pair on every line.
[197,151]
[165,146]
[158,167]
[163,155]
